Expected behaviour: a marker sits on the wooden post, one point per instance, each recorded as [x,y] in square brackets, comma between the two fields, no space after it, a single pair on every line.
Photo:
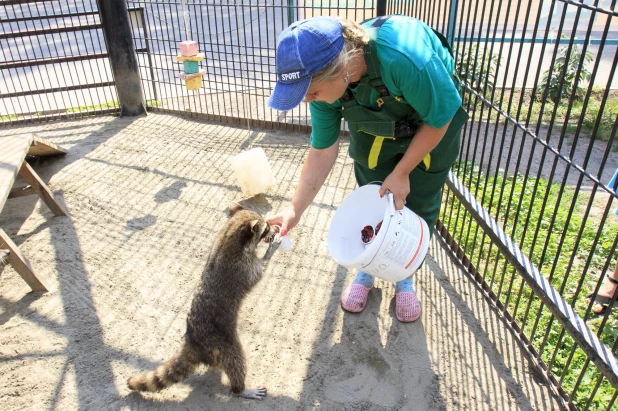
[119,40]
[21,263]
[41,189]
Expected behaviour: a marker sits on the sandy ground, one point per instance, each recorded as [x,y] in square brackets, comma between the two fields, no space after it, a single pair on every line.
[146,197]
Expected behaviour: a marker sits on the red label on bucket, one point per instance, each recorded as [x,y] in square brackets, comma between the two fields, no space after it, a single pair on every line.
[417,248]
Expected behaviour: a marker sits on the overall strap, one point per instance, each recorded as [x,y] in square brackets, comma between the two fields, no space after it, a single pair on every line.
[363,92]
[380,20]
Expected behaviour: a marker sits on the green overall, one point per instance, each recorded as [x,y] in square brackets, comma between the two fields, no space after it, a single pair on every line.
[376,149]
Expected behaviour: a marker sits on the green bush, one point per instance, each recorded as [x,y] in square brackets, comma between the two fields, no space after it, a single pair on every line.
[477,68]
[565,71]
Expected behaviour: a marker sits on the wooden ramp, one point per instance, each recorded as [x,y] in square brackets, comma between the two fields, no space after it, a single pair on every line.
[13,152]
[40,147]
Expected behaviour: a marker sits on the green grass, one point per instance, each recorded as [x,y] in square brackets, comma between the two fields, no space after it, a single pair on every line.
[540,241]
[154,103]
[109,104]
[9,117]
[532,107]
[81,109]
[94,107]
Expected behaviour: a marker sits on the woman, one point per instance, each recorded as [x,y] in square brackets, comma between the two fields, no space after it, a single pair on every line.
[392,78]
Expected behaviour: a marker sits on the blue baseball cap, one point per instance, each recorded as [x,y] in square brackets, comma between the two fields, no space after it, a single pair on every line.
[303,49]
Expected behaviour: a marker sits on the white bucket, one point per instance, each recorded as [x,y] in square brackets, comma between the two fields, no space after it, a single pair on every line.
[253,172]
[395,252]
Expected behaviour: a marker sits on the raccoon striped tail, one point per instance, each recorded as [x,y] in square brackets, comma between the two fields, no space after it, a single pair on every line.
[172,371]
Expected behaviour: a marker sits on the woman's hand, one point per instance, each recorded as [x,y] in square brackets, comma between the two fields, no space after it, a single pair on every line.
[398,181]
[287,220]
[398,184]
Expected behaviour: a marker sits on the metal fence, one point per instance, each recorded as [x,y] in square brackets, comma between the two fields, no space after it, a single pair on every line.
[527,210]
[238,39]
[53,61]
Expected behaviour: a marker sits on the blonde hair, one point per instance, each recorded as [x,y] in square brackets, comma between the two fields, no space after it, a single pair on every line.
[355,38]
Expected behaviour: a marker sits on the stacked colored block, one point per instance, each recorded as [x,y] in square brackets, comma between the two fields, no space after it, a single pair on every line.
[193,81]
[191,67]
[188,48]
[190,59]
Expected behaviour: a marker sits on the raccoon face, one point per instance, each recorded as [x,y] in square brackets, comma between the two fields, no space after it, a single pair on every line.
[249,226]
[261,229]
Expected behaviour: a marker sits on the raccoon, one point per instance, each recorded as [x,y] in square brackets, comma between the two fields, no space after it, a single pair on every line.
[211,338]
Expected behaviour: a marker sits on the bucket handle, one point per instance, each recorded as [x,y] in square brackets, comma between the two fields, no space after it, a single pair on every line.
[391,202]
[389,196]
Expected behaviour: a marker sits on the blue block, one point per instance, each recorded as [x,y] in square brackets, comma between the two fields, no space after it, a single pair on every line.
[191,67]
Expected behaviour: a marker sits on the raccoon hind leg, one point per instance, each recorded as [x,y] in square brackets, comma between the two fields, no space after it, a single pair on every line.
[233,364]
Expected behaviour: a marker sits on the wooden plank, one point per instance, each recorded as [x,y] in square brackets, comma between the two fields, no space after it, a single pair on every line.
[41,147]
[21,192]
[21,263]
[41,189]
[13,150]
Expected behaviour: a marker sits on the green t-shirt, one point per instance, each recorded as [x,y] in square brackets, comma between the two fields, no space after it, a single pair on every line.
[414,65]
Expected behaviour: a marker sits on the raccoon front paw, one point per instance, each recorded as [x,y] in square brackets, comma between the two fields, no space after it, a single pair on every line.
[253,393]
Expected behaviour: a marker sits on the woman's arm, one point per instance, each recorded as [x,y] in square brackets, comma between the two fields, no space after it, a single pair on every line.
[316,168]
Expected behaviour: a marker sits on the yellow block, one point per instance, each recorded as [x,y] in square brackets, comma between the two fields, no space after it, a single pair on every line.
[194,83]
[197,57]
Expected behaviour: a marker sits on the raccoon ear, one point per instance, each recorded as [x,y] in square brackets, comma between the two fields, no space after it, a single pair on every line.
[233,209]
[249,231]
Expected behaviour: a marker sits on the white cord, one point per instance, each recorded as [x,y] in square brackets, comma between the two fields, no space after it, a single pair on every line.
[185,14]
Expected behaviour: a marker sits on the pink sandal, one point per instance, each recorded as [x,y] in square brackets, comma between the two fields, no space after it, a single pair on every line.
[354,298]
[408,308]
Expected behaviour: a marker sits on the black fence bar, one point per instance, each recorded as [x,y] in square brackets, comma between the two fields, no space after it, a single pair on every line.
[20,2]
[57,60]
[537,40]
[146,49]
[581,4]
[52,60]
[55,17]
[381,7]
[68,29]
[56,89]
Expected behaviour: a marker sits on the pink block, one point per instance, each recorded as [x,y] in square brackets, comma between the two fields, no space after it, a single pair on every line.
[188,48]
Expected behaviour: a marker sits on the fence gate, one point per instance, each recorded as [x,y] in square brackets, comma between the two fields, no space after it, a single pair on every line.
[53,61]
